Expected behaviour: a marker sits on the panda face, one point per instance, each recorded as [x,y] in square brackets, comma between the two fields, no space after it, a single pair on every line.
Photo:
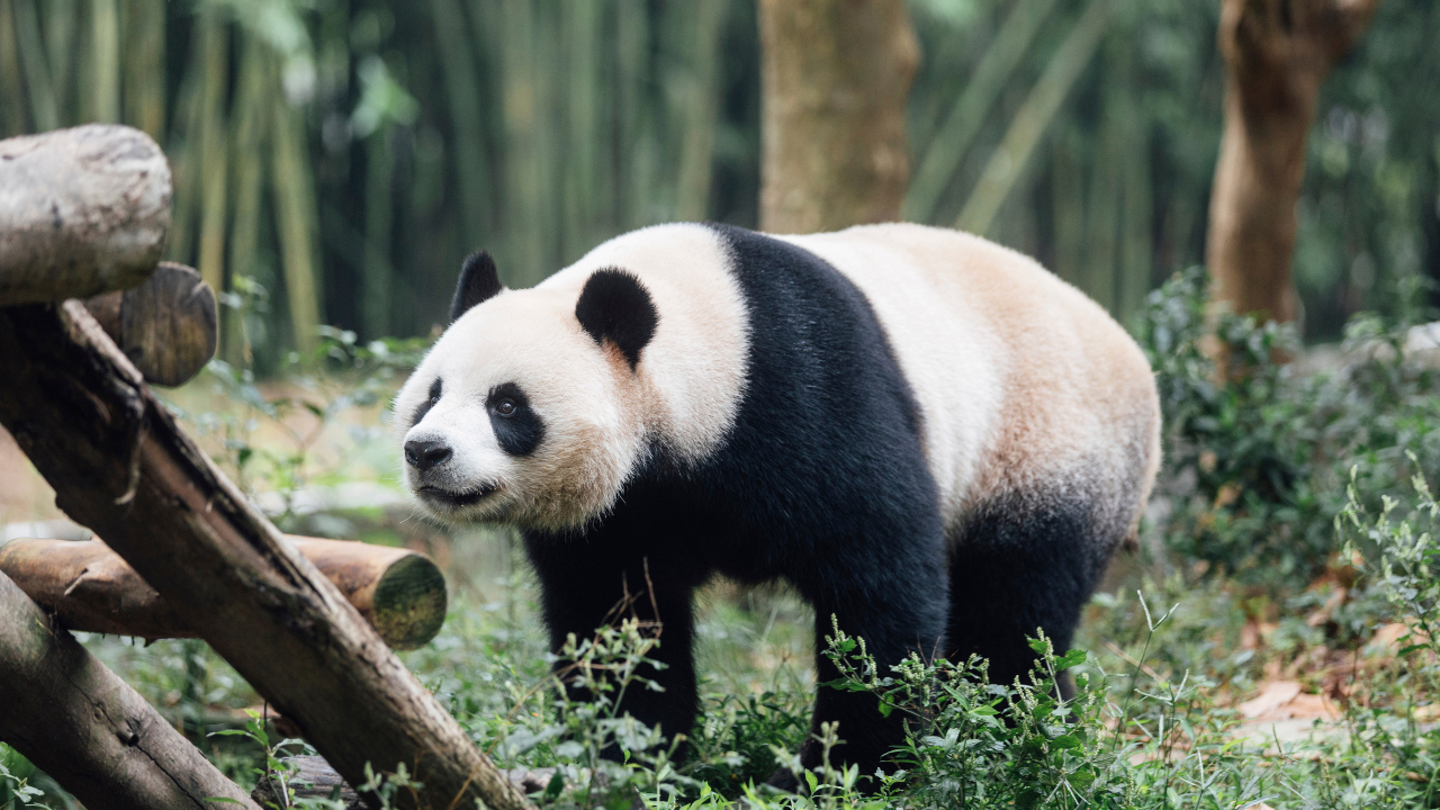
[517,416]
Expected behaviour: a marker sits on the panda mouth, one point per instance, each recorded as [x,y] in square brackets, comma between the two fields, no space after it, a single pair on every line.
[456,500]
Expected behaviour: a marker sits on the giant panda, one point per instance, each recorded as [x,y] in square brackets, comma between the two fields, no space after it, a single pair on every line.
[929,436]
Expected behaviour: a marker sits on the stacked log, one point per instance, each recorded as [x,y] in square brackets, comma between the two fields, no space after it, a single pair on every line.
[90,588]
[84,214]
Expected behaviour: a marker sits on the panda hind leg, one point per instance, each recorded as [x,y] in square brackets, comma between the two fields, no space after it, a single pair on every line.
[1020,564]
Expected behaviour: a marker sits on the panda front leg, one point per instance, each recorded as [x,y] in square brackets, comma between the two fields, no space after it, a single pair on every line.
[585,586]
[897,601]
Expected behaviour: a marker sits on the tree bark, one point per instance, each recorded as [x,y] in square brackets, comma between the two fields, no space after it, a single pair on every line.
[82,211]
[121,466]
[78,722]
[399,592]
[167,326]
[1277,54]
[836,75]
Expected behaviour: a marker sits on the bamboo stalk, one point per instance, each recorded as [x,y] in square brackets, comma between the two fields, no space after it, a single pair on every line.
[1011,158]
[462,93]
[214,153]
[952,141]
[692,186]
[1103,213]
[1137,252]
[144,66]
[379,224]
[252,110]
[63,20]
[12,111]
[40,90]
[104,82]
[295,214]
[1067,198]
[583,26]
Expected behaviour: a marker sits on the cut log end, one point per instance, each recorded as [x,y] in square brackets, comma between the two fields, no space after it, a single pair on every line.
[168,326]
[410,602]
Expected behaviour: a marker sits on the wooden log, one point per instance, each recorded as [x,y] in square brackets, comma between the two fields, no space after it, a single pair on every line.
[401,593]
[121,466]
[313,778]
[82,211]
[167,326]
[77,721]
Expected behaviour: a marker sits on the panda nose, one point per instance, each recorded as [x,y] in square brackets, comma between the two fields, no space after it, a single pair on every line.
[424,455]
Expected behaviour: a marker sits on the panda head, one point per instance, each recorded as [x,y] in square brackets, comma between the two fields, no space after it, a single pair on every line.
[523,412]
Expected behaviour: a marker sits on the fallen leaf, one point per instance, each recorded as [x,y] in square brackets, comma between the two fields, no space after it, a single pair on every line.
[1272,697]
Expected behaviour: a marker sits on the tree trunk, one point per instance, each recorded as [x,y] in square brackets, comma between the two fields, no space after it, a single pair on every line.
[82,211]
[121,466]
[1277,53]
[399,592]
[836,74]
[78,722]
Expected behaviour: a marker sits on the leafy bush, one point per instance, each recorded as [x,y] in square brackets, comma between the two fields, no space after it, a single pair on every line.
[1256,457]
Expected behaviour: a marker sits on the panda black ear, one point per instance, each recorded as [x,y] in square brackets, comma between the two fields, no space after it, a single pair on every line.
[615,307]
[479,281]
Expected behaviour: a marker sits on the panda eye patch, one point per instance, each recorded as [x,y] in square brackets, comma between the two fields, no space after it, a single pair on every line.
[518,428]
[427,404]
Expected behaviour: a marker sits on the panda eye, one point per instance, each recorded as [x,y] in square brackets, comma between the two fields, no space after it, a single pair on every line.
[435,392]
[506,407]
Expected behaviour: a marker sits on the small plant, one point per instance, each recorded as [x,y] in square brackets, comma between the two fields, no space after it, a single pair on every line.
[16,792]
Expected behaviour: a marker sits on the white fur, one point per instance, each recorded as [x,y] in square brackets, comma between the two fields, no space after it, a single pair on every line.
[598,413]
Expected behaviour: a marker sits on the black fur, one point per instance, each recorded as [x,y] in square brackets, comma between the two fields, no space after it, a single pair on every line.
[822,481]
[615,307]
[479,282]
[427,404]
[520,431]
[1019,565]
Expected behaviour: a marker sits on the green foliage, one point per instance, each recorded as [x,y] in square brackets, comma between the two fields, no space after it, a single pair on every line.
[16,792]
[1256,457]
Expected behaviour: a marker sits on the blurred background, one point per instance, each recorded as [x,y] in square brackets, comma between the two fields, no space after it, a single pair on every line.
[335,159]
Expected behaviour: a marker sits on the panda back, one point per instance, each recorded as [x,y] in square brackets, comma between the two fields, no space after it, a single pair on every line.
[1025,384]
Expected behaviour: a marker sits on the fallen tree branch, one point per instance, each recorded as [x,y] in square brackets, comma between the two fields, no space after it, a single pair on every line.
[121,466]
[399,592]
[85,211]
[78,722]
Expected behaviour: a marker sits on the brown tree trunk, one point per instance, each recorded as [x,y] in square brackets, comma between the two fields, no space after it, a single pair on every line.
[121,466]
[78,722]
[1277,53]
[836,74]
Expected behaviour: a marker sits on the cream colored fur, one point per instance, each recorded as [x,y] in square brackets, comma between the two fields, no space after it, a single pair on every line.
[1026,384]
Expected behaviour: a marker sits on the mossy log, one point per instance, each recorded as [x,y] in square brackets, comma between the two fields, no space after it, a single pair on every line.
[91,588]
[167,326]
[77,721]
[82,211]
[121,466]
